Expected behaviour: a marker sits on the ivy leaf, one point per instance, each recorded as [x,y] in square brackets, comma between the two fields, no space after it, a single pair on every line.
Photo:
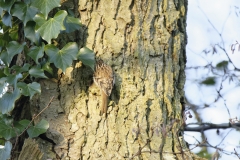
[41,127]
[6,4]
[13,48]
[22,125]
[12,79]
[24,12]
[4,39]
[2,74]
[28,1]
[62,58]
[47,67]
[7,101]
[7,71]
[51,28]
[40,20]
[6,131]
[4,57]
[36,52]
[71,24]
[37,72]
[7,19]
[3,84]
[45,6]
[209,81]
[29,31]
[29,89]
[13,33]
[5,152]
[18,69]
[8,120]
[87,57]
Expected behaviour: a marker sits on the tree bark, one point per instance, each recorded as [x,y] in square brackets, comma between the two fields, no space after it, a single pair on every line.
[144,42]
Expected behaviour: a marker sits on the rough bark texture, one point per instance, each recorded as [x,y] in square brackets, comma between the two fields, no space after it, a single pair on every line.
[144,42]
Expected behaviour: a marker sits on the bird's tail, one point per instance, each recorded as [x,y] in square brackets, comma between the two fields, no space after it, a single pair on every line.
[104,104]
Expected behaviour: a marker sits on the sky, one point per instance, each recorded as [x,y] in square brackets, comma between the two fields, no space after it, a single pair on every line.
[211,22]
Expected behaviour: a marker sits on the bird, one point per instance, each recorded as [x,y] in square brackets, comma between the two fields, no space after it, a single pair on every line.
[103,77]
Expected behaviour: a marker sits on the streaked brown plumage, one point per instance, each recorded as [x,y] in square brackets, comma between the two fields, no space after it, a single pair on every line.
[104,78]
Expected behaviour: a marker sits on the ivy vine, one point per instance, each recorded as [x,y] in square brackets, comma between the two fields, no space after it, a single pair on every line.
[38,54]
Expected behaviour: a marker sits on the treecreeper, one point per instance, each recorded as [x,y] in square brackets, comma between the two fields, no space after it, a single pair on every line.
[104,78]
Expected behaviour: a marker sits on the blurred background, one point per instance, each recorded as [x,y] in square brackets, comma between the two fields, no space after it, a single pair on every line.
[212,87]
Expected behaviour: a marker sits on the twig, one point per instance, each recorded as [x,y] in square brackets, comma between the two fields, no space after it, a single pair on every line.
[235,152]
[34,117]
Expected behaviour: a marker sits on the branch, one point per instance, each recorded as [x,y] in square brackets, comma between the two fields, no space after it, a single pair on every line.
[207,126]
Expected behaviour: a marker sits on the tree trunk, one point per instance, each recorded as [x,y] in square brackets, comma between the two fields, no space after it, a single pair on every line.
[144,42]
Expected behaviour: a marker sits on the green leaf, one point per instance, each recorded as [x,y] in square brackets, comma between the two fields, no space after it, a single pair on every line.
[222,65]
[29,31]
[36,52]
[8,120]
[40,20]
[13,33]
[13,48]
[7,19]
[18,69]
[51,28]
[37,72]
[71,24]
[6,130]
[5,153]
[3,40]
[12,79]
[62,58]
[3,84]
[45,6]
[47,67]
[87,57]
[24,12]
[7,71]
[2,73]
[29,89]
[7,101]
[5,57]
[209,81]
[6,4]
[22,125]
[41,127]
[28,1]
